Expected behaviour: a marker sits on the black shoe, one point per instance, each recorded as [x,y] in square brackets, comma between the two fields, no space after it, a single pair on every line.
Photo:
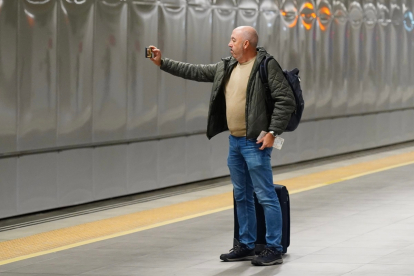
[240,252]
[269,256]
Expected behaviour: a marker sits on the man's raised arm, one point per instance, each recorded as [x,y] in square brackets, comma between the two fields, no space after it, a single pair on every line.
[195,72]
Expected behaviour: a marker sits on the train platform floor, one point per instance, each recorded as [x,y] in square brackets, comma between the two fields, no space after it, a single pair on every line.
[350,215]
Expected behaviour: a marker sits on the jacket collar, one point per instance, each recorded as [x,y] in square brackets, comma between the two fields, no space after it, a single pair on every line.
[230,61]
[261,53]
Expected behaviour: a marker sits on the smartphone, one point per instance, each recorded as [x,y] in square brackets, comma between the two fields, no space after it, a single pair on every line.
[148,53]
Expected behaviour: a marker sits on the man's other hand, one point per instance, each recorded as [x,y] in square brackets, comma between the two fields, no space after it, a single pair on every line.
[157,55]
[267,141]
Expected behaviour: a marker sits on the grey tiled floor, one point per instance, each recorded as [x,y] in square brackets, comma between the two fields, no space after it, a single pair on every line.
[359,227]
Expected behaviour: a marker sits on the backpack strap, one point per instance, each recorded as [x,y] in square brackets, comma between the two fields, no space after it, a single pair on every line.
[263,70]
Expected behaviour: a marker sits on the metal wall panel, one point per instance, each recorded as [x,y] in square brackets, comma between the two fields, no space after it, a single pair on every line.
[142,74]
[247,13]
[197,158]
[407,66]
[142,166]
[109,171]
[223,23]
[37,183]
[298,24]
[74,176]
[307,140]
[383,128]
[383,46]
[339,62]
[171,32]
[369,131]
[339,135]
[396,52]
[354,134]
[407,125]
[356,18]
[324,141]
[8,187]
[110,76]
[197,96]
[172,3]
[368,62]
[409,18]
[8,76]
[75,52]
[171,162]
[289,152]
[269,24]
[219,151]
[395,128]
[323,52]
[37,74]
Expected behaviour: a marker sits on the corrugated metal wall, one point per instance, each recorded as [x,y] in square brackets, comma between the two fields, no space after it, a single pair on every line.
[83,115]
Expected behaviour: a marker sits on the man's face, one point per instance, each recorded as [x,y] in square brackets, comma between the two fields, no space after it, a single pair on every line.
[236,44]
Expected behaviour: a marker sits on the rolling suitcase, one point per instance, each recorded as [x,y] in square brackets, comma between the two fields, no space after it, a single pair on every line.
[283,195]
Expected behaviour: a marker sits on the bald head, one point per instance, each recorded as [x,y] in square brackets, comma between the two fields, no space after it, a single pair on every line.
[249,34]
[243,43]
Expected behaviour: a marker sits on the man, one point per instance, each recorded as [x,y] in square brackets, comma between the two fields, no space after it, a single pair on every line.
[240,103]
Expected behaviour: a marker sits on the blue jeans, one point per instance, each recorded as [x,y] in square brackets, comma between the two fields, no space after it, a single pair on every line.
[251,171]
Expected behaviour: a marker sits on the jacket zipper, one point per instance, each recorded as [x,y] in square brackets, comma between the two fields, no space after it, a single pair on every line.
[220,87]
[248,101]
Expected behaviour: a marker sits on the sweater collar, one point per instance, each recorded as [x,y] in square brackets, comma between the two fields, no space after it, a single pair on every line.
[261,53]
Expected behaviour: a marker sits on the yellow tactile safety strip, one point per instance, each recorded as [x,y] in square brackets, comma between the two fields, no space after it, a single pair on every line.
[61,239]
[315,180]
[102,229]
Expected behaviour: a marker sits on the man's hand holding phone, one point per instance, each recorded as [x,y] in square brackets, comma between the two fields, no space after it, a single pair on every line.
[156,54]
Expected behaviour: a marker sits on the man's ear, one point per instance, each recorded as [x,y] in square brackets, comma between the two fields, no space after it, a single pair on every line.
[246,44]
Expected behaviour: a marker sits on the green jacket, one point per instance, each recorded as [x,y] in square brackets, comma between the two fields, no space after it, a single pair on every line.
[261,112]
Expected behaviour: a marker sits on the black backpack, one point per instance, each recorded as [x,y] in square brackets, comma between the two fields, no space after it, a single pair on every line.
[294,80]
